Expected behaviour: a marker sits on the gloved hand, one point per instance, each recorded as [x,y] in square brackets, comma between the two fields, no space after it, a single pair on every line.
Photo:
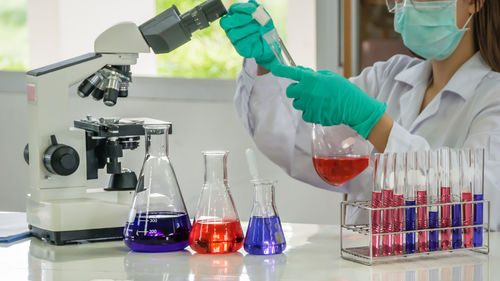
[246,33]
[329,99]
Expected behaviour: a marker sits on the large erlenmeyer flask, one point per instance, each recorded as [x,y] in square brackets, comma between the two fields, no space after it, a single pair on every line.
[158,220]
[216,226]
[339,153]
[264,234]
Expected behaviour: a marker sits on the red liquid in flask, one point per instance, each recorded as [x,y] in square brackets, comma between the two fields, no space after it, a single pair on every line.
[467,220]
[337,170]
[220,237]
[376,203]
[388,225]
[422,222]
[446,218]
[398,224]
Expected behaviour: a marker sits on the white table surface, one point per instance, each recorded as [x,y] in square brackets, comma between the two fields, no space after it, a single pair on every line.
[312,254]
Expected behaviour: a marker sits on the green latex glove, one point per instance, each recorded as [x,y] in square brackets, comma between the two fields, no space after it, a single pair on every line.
[329,99]
[246,33]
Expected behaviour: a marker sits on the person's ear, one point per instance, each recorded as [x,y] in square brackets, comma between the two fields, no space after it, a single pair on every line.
[474,6]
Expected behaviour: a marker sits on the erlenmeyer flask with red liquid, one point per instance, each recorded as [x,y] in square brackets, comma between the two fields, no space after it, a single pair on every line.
[216,227]
[339,153]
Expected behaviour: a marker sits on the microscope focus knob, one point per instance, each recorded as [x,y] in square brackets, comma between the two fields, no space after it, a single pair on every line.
[60,159]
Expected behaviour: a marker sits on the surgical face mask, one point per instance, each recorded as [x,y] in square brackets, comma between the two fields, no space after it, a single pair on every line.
[429,28]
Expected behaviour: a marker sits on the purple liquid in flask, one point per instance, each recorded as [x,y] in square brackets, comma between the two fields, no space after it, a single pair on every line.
[158,232]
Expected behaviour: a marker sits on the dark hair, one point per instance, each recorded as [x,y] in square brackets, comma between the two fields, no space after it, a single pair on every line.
[487,32]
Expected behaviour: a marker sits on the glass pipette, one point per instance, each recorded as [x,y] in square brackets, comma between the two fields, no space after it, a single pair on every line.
[273,39]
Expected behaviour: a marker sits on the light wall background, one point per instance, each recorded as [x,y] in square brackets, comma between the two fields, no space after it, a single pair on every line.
[198,125]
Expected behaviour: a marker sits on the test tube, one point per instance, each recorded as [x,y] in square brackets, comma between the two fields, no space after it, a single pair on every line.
[378,183]
[467,177]
[410,214]
[388,201]
[278,47]
[432,183]
[456,210]
[400,179]
[478,195]
[445,196]
[421,189]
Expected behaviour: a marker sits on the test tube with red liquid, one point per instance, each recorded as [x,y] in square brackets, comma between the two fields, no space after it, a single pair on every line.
[456,210]
[400,180]
[478,188]
[388,201]
[467,177]
[421,189]
[410,213]
[445,196]
[378,182]
[433,183]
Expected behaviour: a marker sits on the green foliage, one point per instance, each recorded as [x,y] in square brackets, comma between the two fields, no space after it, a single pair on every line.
[209,54]
[13,35]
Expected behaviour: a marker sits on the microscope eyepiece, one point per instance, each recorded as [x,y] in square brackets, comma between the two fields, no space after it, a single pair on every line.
[170,30]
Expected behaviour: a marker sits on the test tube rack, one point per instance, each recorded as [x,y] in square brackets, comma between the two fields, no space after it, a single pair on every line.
[356,239]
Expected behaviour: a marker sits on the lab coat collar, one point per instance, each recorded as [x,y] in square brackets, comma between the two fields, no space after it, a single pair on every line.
[463,83]
[467,78]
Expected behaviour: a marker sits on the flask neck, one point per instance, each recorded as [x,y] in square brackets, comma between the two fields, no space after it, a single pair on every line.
[215,167]
[157,140]
[264,200]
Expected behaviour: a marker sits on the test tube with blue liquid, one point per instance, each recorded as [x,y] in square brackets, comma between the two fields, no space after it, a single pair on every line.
[433,183]
[456,210]
[478,187]
[264,234]
[410,213]
[272,38]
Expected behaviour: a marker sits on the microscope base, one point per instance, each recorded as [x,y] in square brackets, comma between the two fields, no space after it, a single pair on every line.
[77,236]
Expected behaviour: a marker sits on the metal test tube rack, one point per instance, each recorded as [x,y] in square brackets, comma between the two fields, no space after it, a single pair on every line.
[356,239]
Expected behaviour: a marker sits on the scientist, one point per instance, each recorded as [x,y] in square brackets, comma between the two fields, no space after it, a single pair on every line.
[452,98]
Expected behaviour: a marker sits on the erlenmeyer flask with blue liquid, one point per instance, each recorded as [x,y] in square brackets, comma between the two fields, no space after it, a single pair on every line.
[264,234]
[158,220]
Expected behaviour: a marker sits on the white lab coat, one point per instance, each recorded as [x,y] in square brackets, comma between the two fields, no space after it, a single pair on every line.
[466,113]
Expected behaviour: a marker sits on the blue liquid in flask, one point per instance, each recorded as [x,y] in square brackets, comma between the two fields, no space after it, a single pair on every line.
[264,236]
[410,225]
[158,232]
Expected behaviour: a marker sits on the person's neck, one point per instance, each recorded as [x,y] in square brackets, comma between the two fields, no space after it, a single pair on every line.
[443,70]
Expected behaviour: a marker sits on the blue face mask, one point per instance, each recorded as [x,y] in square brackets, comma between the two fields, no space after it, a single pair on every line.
[429,28]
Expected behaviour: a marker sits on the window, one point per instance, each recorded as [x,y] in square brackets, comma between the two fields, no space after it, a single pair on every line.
[13,35]
[208,55]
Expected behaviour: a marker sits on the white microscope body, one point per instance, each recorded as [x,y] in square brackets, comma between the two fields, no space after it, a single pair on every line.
[61,208]
[62,204]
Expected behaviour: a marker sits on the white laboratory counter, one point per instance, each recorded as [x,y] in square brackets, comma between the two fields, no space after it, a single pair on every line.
[312,254]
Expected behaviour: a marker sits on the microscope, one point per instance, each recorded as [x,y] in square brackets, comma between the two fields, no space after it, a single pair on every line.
[62,157]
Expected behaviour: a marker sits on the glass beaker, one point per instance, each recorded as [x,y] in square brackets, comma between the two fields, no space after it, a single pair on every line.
[264,234]
[216,226]
[339,153]
[158,220]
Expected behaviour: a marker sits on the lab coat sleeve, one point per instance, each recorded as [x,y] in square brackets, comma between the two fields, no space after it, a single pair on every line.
[275,126]
[485,133]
